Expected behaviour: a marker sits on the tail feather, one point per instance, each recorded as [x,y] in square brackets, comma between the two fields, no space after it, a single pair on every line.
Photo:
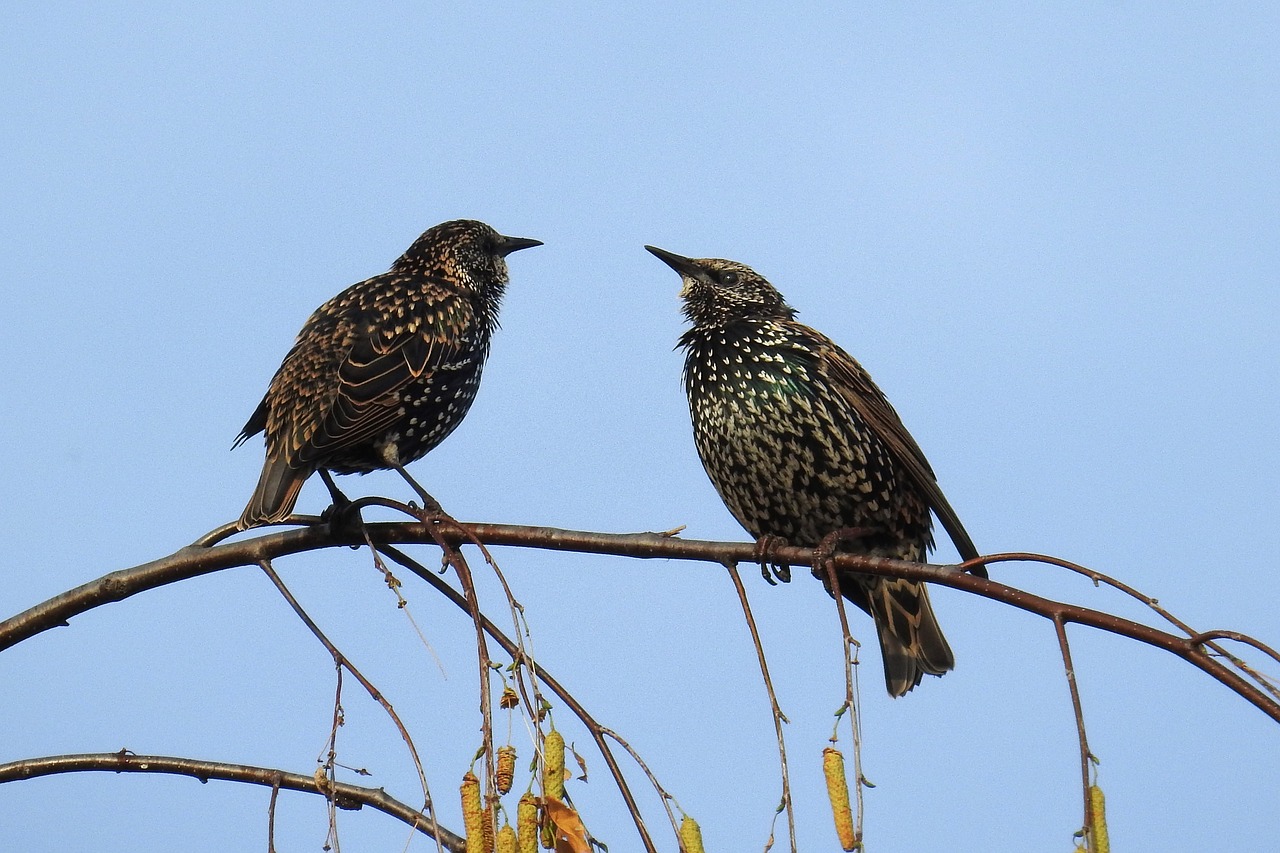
[911,641]
[275,495]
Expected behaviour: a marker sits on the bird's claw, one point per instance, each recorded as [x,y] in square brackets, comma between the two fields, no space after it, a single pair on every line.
[771,569]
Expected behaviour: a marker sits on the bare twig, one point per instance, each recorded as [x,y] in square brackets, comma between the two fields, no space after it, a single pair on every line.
[824,562]
[775,709]
[327,770]
[1085,755]
[271,815]
[513,649]
[344,795]
[342,662]
[1153,603]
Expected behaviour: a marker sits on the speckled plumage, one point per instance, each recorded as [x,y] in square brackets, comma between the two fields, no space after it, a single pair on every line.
[800,443]
[384,371]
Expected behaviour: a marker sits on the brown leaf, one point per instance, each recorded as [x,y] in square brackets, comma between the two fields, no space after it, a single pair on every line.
[582,764]
[571,835]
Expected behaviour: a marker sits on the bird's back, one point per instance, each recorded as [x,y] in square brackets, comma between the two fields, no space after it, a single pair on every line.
[396,358]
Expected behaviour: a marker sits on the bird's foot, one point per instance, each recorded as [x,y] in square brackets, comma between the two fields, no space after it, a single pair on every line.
[772,569]
[344,521]
[827,548]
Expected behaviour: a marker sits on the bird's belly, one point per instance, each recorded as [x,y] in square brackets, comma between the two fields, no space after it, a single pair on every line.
[785,465]
[428,411]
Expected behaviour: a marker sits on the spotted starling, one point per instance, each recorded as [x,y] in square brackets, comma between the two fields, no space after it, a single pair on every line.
[800,443]
[384,371]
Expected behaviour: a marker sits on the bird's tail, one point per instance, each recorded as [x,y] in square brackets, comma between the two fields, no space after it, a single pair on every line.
[911,641]
[275,495]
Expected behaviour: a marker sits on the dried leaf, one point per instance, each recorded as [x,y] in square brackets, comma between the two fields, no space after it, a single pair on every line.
[571,835]
[582,765]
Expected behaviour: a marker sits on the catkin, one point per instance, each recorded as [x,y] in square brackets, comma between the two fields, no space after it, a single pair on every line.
[506,772]
[527,823]
[691,836]
[838,791]
[553,765]
[507,839]
[489,828]
[473,815]
[1098,840]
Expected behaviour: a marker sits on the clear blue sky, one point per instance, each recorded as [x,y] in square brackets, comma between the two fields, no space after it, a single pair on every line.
[1051,235]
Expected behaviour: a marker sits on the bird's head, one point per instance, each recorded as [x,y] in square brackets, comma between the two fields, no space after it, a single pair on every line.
[717,292]
[464,252]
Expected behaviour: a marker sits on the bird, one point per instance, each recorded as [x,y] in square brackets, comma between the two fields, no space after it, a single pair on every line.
[800,443]
[384,371]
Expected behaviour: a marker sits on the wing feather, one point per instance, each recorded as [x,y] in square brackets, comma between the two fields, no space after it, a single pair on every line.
[862,394]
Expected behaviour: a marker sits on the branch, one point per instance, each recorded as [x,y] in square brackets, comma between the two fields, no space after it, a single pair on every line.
[196,560]
[342,794]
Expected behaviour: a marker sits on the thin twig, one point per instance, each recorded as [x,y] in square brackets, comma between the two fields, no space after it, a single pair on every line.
[775,710]
[824,561]
[513,649]
[1097,577]
[342,662]
[328,770]
[345,795]
[434,523]
[1085,755]
[668,799]
[271,815]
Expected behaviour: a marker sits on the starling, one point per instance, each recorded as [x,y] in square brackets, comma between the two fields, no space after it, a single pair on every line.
[382,372]
[800,443]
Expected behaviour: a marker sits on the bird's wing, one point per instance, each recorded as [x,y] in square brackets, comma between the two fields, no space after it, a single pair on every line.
[381,360]
[872,406]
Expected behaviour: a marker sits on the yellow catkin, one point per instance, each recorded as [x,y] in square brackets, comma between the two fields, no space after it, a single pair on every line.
[838,791]
[552,781]
[507,842]
[527,824]
[489,829]
[473,816]
[1098,840]
[691,836]
[553,765]
[506,771]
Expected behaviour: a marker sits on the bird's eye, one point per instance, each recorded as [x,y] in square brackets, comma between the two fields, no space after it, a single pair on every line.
[729,277]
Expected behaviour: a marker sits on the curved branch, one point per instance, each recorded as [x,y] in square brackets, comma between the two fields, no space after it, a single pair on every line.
[196,560]
[343,795]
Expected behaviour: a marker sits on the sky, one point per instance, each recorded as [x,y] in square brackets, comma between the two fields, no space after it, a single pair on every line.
[1049,234]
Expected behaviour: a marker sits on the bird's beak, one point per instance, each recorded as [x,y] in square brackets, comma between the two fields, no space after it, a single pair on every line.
[515,244]
[685,266]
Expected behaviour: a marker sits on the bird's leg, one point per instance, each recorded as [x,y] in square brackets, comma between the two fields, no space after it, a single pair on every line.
[339,515]
[772,570]
[829,545]
[340,500]
[429,504]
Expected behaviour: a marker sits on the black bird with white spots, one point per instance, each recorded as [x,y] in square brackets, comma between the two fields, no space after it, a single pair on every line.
[800,443]
[384,371]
